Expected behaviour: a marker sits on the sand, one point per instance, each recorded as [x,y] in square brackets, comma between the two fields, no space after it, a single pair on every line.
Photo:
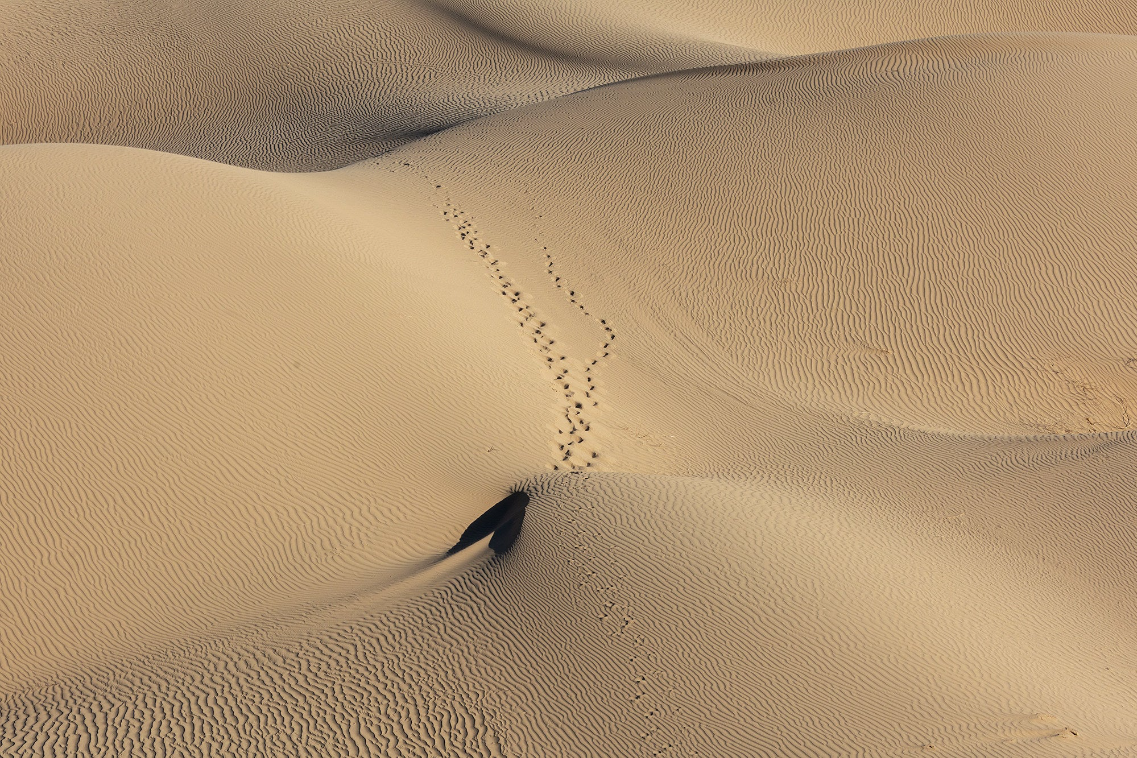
[817,363]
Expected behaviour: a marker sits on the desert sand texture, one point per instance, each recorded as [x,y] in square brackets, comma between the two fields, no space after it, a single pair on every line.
[284,86]
[817,366]
[295,86]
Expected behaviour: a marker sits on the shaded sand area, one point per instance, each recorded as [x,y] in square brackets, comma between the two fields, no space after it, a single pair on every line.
[637,30]
[284,86]
[292,86]
[818,373]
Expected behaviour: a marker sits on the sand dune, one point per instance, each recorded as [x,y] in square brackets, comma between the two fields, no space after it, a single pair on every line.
[939,236]
[218,392]
[304,87]
[287,87]
[817,374]
[631,619]
[633,31]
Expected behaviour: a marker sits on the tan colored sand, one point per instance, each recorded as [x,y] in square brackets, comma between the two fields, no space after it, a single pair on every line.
[280,86]
[820,374]
[946,243]
[225,394]
[643,30]
[291,86]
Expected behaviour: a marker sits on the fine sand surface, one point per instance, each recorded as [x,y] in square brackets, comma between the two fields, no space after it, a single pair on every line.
[820,374]
[305,86]
[284,86]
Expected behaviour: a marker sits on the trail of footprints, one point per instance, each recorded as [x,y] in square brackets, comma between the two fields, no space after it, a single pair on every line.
[575,383]
[603,595]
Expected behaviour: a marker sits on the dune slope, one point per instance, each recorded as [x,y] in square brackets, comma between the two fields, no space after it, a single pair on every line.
[778,27]
[935,234]
[303,87]
[817,373]
[280,86]
[647,616]
[226,397]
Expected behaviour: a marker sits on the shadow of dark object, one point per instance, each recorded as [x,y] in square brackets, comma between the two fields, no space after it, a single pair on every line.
[506,534]
[503,520]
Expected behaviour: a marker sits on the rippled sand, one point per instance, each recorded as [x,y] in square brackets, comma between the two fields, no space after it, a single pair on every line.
[817,362]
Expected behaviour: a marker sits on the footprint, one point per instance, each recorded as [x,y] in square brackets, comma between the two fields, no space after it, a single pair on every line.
[577,386]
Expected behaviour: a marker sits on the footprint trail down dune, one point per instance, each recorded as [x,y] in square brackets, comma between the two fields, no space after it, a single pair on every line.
[904,251]
[573,378]
[856,478]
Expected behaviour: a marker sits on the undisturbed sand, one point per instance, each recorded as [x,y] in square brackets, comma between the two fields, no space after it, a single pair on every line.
[820,372]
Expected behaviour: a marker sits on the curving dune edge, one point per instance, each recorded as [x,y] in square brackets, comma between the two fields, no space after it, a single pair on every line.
[798,352]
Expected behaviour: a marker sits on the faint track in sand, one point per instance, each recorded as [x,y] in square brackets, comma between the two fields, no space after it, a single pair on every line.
[576,385]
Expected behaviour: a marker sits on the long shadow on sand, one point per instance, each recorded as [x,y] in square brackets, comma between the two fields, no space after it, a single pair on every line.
[503,520]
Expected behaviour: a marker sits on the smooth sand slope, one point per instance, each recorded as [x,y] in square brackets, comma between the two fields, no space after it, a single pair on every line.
[818,373]
[292,86]
[935,234]
[633,30]
[225,396]
[281,86]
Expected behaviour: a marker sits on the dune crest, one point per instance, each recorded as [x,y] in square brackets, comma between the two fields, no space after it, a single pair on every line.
[777,27]
[939,236]
[293,87]
[219,403]
[279,86]
[805,387]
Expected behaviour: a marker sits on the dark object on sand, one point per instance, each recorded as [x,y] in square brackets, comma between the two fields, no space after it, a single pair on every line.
[503,520]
